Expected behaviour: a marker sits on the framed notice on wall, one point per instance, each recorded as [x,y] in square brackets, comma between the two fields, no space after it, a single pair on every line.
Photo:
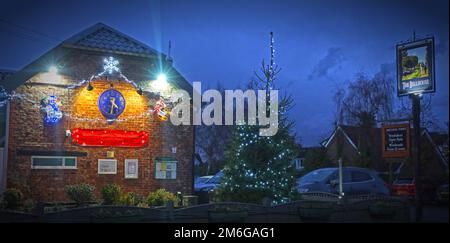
[131,168]
[107,166]
[395,140]
[165,168]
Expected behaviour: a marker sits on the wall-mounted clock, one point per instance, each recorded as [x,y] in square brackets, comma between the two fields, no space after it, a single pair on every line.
[111,104]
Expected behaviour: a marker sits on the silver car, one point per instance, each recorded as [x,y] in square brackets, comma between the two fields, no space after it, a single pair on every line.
[354,181]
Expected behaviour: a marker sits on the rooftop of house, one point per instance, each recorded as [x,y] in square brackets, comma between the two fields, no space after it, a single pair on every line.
[5,73]
[355,135]
[98,38]
[103,37]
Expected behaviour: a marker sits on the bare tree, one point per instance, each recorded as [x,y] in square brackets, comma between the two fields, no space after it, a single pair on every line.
[427,118]
[365,101]
[211,143]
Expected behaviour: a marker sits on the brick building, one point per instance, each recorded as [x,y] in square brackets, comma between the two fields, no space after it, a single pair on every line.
[90,119]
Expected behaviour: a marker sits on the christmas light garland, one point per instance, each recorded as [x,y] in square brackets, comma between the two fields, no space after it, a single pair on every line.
[110,66]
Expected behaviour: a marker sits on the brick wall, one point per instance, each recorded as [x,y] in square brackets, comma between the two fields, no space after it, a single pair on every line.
[28,132]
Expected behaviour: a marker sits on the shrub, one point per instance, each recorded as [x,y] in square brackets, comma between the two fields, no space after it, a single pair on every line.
[161,197]
[131,199]
[29,205]
[111,194]
[80,193]
[142,205]
[12,198]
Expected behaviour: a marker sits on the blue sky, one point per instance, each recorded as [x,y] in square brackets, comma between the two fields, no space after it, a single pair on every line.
[419,53]
[320,45]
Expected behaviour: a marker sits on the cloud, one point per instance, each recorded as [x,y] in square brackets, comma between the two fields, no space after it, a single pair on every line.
[333,58]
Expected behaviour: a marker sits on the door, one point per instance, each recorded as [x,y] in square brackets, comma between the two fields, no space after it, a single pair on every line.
[362,183]
[346,182]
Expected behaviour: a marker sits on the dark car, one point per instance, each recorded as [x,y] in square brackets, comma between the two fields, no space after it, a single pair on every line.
[209,184]
[355,181]
[201,180]
[204,189]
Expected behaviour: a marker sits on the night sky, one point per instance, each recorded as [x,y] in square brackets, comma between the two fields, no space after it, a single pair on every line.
[320,44]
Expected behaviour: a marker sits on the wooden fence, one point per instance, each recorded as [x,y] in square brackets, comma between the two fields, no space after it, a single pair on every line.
[312,208]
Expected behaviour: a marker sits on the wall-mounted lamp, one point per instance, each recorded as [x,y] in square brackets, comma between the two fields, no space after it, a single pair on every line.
[89,87]
[161,82]
[53,70]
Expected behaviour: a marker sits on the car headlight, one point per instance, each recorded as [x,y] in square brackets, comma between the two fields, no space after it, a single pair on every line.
[303,190]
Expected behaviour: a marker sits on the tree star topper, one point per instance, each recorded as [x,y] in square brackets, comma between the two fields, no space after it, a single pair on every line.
[110,65]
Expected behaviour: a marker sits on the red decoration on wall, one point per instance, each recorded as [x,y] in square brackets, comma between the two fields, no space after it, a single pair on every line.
[109,138]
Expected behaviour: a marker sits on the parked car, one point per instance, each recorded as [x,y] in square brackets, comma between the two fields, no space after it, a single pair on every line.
[209,184]
[404,187]
[201,179]
[442,194]
[354,181]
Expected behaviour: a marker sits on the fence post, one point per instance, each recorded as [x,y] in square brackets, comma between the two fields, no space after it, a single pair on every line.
[169,208]
[267,203]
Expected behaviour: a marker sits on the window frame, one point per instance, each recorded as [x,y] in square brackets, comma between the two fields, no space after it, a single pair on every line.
[131,176]
[106,173]
[54,167]
[172,170]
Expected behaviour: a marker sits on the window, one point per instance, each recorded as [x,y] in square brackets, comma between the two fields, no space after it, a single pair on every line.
[131,168]
[360,176]
[107,166]
[165,169]
[345,176]
[53,162]
[298,163]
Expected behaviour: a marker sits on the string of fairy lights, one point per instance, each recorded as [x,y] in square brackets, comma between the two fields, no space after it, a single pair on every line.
[264,178]
[274,176]
[110,66]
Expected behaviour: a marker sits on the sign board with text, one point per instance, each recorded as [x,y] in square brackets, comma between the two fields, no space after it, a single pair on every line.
[415,67]
[395,140]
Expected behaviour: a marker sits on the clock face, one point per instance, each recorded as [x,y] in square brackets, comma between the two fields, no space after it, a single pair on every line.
[111,104]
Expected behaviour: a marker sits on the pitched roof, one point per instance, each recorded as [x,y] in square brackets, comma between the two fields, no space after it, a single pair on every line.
[105,38]
[4,74]
[99,38]
[355,134]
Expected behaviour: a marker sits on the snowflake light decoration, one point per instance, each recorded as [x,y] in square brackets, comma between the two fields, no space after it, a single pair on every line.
[110,65]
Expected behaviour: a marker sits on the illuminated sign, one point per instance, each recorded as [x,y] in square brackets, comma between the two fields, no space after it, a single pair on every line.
[415,67]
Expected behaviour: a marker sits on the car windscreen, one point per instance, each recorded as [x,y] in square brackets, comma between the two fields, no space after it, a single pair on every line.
[316,176]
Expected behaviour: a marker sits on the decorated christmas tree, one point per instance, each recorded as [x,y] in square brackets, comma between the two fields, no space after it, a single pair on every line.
[259,167]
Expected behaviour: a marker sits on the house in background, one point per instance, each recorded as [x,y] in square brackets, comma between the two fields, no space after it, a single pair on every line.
[346,141]
[84,113]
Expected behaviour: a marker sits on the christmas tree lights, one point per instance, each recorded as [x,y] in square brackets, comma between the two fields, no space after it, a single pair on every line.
[261,166]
